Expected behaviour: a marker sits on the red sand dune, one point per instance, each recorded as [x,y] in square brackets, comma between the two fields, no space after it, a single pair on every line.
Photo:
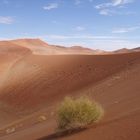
[34,85]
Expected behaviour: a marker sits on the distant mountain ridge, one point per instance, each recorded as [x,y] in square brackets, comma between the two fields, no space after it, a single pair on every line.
[136,49]
[125,50]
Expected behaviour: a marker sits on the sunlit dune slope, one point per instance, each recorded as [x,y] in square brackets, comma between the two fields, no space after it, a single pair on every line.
[9,53]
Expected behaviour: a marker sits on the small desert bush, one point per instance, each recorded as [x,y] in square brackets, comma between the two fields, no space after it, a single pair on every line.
[78,113]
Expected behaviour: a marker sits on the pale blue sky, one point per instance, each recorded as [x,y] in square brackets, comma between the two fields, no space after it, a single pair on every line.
[99,24]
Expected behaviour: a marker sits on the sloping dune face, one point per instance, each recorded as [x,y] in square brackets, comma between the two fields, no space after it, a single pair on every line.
[49,76]
[9,53]
[6,47]
[119,95]
[37,46]
[35,82]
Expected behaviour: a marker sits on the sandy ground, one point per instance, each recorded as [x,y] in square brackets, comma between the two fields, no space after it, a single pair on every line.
[34,85]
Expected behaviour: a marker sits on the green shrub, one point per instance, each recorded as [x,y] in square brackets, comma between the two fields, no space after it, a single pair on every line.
[78,113]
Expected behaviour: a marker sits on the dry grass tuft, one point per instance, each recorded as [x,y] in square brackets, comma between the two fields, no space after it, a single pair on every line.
[78,113]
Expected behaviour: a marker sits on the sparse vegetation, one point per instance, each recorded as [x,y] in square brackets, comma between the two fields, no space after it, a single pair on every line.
[78,113]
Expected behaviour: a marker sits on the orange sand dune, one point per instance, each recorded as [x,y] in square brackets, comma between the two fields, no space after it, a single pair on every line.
[40,47]
[35,84]
[7,47]
[37,46]
[9,53]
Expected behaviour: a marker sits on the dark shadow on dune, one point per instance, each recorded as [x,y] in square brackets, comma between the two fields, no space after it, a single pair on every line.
[58,135]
